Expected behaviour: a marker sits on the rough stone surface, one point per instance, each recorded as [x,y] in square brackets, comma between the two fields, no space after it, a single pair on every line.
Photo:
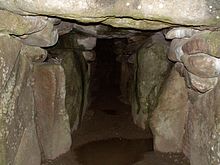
[77,76]
[169,118]
[29,143]
[137,14]
[34,54]
[204,42]
[17,129]
[25,136]
[201,64]
[175,50]
[200,67]
[181,32]
[20,25]
[150,71]
[199,58]
[126,50]
[100,30]
[203,128]
[51,116]
[9,51]
[202,84]
[46,37]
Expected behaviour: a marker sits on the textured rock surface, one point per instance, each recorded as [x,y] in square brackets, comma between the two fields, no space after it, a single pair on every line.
[203,42]
[33,115]
[138,14]
[77,81]
[20,25]
[150,71]
[202,84]
[46,37]
[169,118]
[202,65]
[34,54]
[63,91]
[203,128]
[51,117]
[17,129]
[181,32]
[29,143]
[199,55]
[126,50]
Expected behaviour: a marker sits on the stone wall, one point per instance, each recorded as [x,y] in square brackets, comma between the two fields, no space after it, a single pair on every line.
[151,69]
[17,108]
[196,54]
[34,113]
[36,110]
[169,117]
[71,52]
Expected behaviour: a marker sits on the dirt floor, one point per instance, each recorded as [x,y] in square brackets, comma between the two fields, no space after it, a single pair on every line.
[108,136]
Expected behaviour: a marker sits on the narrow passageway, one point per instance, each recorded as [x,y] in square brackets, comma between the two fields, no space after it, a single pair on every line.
[95,82]
[107,134]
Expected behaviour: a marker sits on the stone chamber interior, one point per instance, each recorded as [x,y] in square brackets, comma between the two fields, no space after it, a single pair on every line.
[107,132]
[109,82]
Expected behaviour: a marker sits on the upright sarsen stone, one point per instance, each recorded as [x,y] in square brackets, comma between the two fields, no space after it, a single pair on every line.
[151,68]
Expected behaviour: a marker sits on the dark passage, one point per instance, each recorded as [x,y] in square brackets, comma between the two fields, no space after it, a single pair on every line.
[105,76]
[113,139]
[107,135]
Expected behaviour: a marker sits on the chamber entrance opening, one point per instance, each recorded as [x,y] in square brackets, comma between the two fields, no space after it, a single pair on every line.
[108,128]
[107,133]
[105,70]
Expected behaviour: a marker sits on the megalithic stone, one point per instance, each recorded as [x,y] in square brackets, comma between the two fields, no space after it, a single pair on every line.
[204,42]
[33,53]
[194,82]
[184,73]
[44,38]
[175,51]
[202,84]
[181,32]
[202,65]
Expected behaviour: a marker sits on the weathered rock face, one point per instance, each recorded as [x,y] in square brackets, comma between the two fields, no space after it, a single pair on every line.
[151,70]
[143,14]
[198,56]
[17,131]
[203,128]
[48,36]
[37,111]
[198,63]
[70,55]
[74,87]
[20,25]
[169,118]
[51,117]
[33,113]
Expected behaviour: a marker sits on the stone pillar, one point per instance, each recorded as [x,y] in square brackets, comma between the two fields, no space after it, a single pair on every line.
[21,140]
[169,117]
[197,56]
[151,69]
[18,137]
